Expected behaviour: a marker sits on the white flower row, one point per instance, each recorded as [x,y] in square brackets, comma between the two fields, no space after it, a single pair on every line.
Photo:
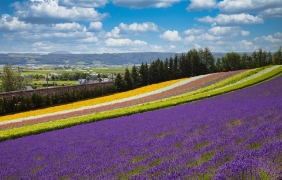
[180,83]
[260,73]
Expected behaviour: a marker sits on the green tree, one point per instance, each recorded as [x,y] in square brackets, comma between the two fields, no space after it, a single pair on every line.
[175,67]
[128,80]
[143,71]
[194,59]
[119,83]
[277,56]
[153,73]
[218,65]
[170,69]
[184,66]
[269,58]
[233,59]
[255,59]
[12,80]
[244,60]
[166,70]
[135,77]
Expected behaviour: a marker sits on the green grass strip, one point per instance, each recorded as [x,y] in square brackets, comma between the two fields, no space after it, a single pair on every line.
[164,103]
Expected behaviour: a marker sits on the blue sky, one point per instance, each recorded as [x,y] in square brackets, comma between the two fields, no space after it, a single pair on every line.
[113,26]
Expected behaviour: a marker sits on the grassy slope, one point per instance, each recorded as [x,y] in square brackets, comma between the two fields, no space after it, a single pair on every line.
[188,97]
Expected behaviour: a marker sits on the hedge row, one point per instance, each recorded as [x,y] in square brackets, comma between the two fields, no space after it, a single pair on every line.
[60,124]
[36,101]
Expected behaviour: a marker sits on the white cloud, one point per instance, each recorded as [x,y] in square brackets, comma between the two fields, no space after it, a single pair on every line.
[208,37]
[92,39]
[124,42]
[278,35]
[201,5]
[46,11]
[8,23]
[135,27]
[245,45]
[170,36]
[172,46]
[202,38]
[234,19]
[272,39]
[190,39]
[270,13]
[245,33]
[95,26]
[67,27]
[197,46]
[42,46]
[145,3]
[224,31]
[155,48]
[193,31]
[214,33]
[84,3]
[52,36]
[240,6]
[114,33]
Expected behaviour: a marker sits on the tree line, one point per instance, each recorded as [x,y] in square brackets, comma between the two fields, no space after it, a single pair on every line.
[193,63]
[35,101]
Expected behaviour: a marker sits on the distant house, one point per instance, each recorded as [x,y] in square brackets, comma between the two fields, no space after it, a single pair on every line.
[28,88]
[82,81]
[105,79]
[54,74]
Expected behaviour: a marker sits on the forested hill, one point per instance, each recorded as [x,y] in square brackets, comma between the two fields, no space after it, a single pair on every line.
[87,59]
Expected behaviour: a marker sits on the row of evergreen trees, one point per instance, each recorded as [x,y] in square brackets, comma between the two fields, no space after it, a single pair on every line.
[194,63]
[25,103]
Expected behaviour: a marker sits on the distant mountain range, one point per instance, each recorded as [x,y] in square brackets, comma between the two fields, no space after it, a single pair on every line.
[60,52]
[64,57]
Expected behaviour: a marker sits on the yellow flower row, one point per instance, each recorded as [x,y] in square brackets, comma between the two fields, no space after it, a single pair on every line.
[90,102]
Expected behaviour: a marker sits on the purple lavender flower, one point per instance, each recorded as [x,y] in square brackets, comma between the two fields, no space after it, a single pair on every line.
[235,135]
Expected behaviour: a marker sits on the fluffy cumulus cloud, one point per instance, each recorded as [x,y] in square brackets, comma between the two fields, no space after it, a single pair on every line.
[124,42]
[228,31]
[170,36]
[145,3]
[135,27]
[201,4]
[275,39]
[12,24]
[218,39]
[233,19]
[244,46]
[271,13]
[95,26]
[240,6]
[115,33]
[84,3]
[193,31]
[54,36]
[245,33]
[67,27]
[46,11]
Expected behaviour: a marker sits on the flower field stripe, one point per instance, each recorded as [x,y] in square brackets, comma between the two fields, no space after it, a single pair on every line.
[260,73]
[179,88]
[236,135]
[94,101]
[60,124]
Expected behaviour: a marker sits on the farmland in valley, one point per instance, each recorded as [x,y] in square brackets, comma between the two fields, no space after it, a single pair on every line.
[207,127]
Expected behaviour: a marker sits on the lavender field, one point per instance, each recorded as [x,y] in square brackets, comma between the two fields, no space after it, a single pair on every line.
[232,136]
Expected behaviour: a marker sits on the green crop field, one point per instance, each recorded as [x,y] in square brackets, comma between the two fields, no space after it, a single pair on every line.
[102,70]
